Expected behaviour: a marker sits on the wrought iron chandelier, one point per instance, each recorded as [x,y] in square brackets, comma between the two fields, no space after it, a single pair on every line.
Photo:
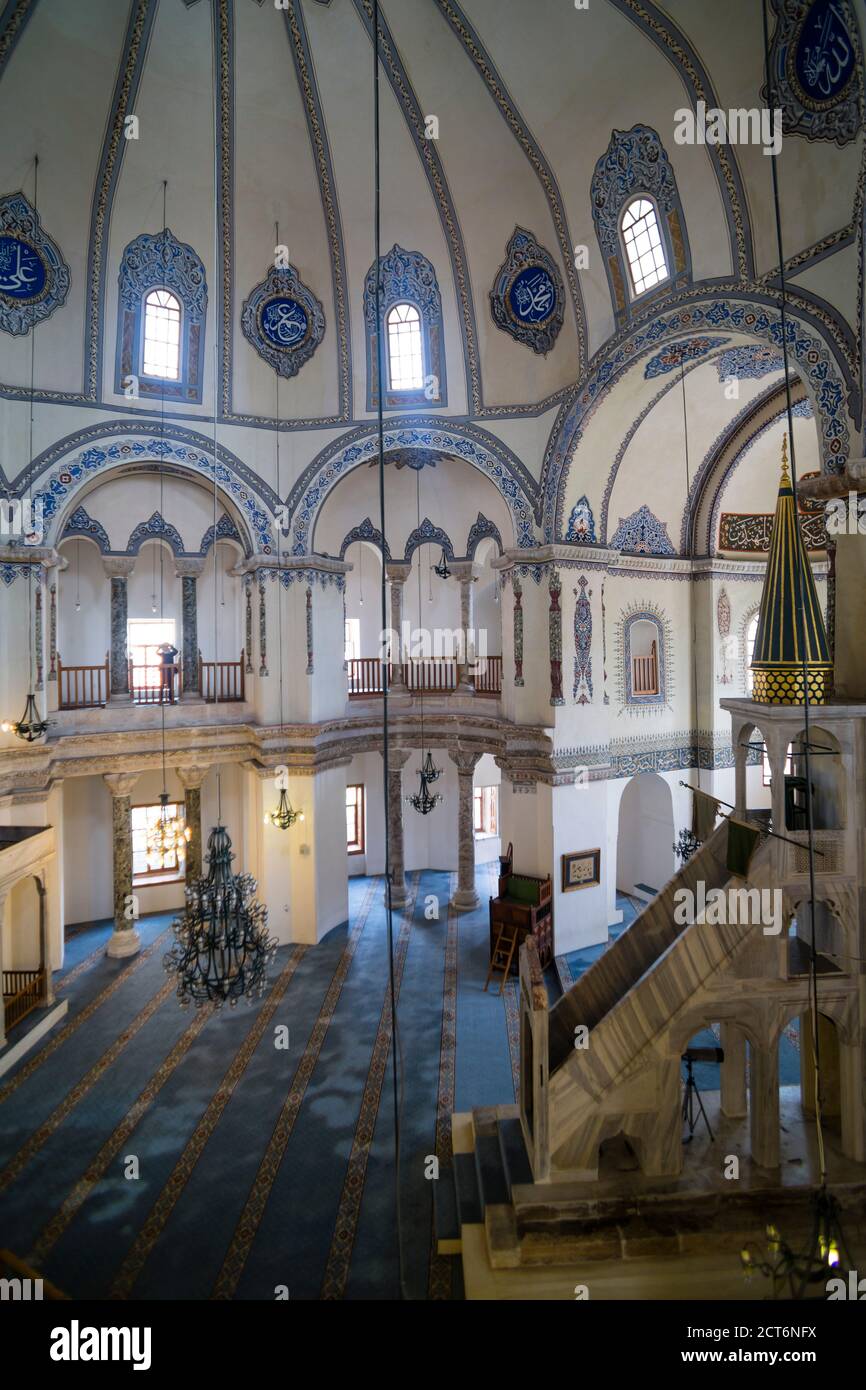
[442,568]
[821,1257]
[222,946]
[168,839]
[284,816]
[429,769]
[687,844]
[30,726]
[422,801]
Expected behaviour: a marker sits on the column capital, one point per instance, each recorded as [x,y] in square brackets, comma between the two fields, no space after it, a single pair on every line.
[120,783]
[464,760]
[189,568]
[191,778]
[398,571]
[397,758]
[118,566]
[465,570]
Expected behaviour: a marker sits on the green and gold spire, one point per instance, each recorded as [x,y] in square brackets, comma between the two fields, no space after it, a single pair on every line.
[777,659]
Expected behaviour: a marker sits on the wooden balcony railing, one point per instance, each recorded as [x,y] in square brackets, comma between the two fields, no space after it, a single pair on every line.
[364,676]
[433,675]
[645,674]
[487,677]
[154,685]
[23,991]
[221,680]
[82,687]
[436,675]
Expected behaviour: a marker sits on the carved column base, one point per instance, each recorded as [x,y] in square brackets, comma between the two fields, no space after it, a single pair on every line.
[465,899]
[399,894]
[123,943]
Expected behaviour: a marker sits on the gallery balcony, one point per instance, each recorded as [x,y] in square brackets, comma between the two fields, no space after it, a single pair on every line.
[89,687]
[433,676]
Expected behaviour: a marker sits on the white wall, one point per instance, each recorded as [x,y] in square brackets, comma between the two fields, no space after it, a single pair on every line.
[646,833]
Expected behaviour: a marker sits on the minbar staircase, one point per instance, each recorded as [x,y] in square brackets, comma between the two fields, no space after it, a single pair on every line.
[523,1179]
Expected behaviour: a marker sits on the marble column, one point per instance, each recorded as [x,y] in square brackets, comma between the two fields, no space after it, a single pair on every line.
[118,569]
[191,779]
[465,897]
[466,573]
[44,948]
[397,759]
[764,1104]
[188,572]
[125,940]
[733,1072]
[397,573]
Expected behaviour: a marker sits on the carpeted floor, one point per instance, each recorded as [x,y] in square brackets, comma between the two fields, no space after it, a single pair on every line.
[149,1152]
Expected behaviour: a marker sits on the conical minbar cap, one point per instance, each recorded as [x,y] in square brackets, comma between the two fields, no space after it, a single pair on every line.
[782,641]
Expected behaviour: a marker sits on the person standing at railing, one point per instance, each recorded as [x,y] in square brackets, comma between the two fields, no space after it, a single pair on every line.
[167,658]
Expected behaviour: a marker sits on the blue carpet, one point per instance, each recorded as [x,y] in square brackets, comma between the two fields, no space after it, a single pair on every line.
[152,1153]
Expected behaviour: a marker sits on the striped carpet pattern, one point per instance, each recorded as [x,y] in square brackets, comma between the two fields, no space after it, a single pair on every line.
[150,1152]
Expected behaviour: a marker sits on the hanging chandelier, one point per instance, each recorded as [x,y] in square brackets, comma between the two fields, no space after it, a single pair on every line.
[813,1265]
[422,801]
[429,770]
[168,838]
[284,816]
[687,843]
[442,568]
[222,946]
[30,726]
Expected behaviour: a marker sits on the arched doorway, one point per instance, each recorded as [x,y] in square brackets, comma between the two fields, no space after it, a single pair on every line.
[645,837]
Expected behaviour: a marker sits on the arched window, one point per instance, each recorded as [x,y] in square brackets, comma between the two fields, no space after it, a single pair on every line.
[405,349]
[404,293]
[161,317]
[161,356]
[644,249]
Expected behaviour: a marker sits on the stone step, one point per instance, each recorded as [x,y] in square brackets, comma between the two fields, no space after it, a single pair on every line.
[515,1159]
[490,1171]
[469,1212]
[447,1225]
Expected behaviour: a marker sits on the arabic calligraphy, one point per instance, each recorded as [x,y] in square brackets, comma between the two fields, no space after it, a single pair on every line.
[824,57]
[284,322]
[22,272]
[532,295]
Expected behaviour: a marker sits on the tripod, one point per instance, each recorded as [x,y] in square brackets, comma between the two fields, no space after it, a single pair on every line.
[690,1109]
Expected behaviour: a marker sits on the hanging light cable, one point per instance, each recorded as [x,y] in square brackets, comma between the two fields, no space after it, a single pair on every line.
[222,946]
[168,838]
[31,726]
[826,1247]
[423,801]
[380,430]
[284,816]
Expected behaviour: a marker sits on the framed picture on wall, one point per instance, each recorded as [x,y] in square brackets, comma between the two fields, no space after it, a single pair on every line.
[581,869]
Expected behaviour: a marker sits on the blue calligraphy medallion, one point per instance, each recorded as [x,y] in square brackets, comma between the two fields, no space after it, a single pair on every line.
[527,295]
[824,55]
[284,322]
[22,270]
[532,295]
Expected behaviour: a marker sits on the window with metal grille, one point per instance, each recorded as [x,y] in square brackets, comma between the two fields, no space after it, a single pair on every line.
[645,253]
